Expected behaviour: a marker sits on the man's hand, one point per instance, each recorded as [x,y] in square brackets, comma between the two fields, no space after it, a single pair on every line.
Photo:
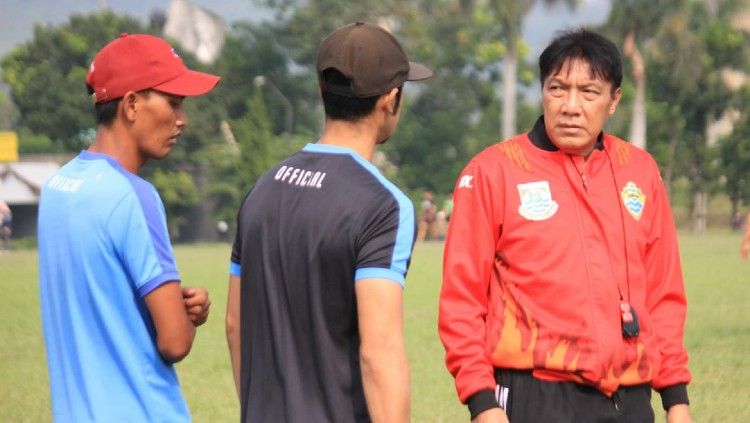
[493,415]
[745,250]
[679,413]
[197,304]
[174,330]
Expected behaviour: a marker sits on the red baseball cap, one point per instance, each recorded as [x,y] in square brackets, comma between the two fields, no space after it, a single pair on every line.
[138,62]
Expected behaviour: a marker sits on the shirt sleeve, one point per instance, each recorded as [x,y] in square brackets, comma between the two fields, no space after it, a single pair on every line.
[235,261]
[385,244]
[138,226]
[665,298]
[468,264]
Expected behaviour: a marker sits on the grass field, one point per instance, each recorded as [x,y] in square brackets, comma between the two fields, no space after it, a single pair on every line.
[718,336]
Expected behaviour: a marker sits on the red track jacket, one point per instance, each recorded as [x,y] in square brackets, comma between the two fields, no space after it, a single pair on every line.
[540,248]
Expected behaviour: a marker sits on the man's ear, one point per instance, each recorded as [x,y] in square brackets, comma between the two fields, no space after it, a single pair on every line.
[390,100]
[129,105]
[616,96]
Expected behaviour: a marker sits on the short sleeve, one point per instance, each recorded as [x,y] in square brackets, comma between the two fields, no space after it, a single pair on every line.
[138,226]
[386,242]
[235,260]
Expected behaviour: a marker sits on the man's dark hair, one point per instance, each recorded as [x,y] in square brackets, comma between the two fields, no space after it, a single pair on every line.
[105,112]
[598,52]
[340,107]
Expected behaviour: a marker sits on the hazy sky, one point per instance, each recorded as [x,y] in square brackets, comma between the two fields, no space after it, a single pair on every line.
[541,24]
[17,17]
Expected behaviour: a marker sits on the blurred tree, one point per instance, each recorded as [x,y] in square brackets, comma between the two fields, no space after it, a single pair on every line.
[674,59]
[302,24]
[47,75]
[690,50]
[735,158]
[635,22]
[179,195]
[8,113]
[232,138]
[31,143]
[456,113]
[191,158]
[245,136]
[511,14]
[735,147]
[252,51]
[249,149]
[47,80]
[444,120]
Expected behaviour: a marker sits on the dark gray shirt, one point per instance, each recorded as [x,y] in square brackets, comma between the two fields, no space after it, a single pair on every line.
[313,225]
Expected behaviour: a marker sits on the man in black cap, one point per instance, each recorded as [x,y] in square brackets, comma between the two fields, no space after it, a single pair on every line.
[315,308]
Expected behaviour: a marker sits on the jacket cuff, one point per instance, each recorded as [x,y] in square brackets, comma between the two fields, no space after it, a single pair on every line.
[673,395]
[481,401]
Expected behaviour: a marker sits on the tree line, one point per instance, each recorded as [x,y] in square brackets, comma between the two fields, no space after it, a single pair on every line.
[685,95]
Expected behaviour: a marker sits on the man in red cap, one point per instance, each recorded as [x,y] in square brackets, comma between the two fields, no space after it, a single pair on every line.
[315,312]
[114,313]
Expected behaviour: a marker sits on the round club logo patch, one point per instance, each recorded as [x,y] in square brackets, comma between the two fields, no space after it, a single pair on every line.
[536,201]
[633,199]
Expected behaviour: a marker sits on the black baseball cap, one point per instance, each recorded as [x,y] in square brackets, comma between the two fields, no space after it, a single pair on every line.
[370,58]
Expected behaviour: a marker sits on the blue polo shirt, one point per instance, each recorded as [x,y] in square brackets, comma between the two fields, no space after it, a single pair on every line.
[103,246]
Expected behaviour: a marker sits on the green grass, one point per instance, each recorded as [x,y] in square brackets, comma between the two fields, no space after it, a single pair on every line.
[718,336]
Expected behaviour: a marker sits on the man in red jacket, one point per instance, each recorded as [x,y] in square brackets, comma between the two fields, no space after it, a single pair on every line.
[562,297]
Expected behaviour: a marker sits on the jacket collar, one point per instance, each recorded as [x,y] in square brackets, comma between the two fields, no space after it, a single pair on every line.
[538,137]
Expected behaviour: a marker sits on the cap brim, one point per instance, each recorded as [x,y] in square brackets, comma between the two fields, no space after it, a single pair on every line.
[418,72]
[190,83]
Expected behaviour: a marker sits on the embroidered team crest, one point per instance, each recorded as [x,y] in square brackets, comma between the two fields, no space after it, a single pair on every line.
[536,201]
[633,199]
